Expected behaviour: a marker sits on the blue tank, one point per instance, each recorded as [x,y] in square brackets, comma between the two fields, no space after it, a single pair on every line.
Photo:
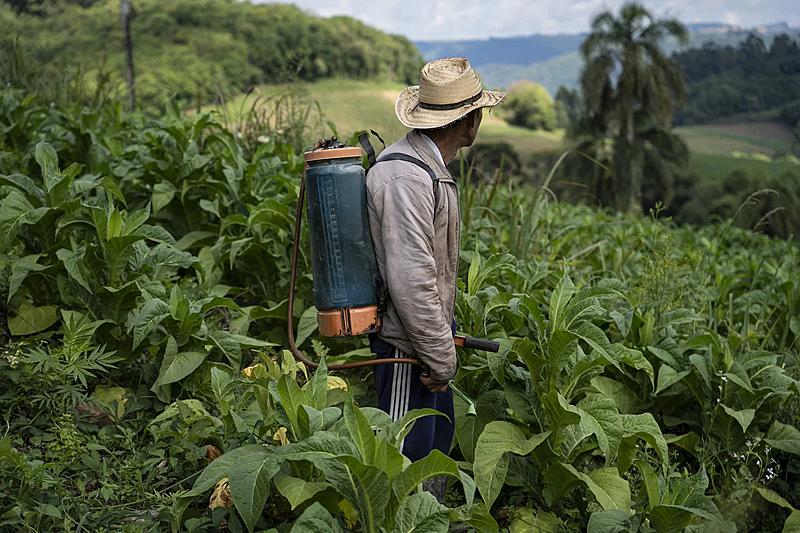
[342,257]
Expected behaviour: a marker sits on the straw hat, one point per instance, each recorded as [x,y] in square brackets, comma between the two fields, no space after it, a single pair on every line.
[448,89]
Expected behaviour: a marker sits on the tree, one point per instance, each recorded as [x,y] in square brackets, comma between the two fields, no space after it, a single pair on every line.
[530,106]
[629,89]
[125,10]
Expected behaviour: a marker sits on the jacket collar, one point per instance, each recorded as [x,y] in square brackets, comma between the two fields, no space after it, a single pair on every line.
[424,151]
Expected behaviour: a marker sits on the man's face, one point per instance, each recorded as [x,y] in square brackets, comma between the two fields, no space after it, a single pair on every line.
[472,131]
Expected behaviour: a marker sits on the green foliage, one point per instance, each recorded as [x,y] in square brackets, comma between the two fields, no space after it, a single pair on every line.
[530,106]
[191,53]
[750,77]
[647,378]
[629,89]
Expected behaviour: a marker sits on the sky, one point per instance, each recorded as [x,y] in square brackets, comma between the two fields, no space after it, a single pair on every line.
[474,19]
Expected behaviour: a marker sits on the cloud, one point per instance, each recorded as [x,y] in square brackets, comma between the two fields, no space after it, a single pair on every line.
[474,19]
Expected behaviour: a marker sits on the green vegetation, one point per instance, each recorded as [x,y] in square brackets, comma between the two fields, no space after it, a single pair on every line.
[648,377]
[629,89]
[530,106]
[749,78]
[192,52]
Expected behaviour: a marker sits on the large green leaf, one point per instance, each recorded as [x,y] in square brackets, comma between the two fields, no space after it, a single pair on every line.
[366,486]
[400,428]
[670,518]
[784,437]
[316,519]
[610,490]
[434,464]
[421,513]
[611,521]
[30,319]
[624,398]
[20,270]
[147,319]
[527,519]
[73,264]
[249,480]
[306,326]
[792,524]
[219,467]
[668,376]
[773,497]
[743,417]
[559,299]
[491,462]
[177,364]
[297,490]
[47,159]
[291,397]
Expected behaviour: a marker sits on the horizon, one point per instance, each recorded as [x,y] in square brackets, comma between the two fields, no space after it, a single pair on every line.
[520,18]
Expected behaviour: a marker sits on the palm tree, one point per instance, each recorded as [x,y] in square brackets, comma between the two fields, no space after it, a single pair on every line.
[629,90]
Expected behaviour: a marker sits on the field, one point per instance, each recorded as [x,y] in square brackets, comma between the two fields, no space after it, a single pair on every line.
[648,377]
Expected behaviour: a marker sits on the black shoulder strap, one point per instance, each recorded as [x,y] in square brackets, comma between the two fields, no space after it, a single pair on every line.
[397,156]
[363,140]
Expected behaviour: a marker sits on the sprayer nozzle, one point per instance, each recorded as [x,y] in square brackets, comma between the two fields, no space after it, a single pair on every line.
[470,404]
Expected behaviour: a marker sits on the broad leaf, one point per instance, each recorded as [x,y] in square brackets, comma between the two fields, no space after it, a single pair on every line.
[421,513]
[744,417]
[316,519]
[20,270]
[177,364]
[434,464]
[297,490]
[147,319]
[668,376]
[784,437]
[249,480]
[491,463]
[612,521]
[30,319]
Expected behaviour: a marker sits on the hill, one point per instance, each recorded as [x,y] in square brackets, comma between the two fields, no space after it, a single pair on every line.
[194,52]
[552,60]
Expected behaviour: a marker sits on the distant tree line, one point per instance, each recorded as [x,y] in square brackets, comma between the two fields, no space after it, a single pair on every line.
[750,78]
[193,50]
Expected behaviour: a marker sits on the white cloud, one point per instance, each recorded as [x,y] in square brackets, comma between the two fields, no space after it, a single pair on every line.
[472,19]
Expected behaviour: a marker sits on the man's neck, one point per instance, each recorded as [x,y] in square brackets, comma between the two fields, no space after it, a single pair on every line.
[448,146]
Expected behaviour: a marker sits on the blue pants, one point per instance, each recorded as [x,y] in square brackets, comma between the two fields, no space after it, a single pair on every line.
[399,391]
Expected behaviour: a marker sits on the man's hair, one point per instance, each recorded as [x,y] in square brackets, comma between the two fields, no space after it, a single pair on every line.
[451,125]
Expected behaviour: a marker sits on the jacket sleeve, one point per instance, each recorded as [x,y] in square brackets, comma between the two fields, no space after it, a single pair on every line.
[407,232]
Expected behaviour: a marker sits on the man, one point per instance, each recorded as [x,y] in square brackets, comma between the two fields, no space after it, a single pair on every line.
[414,222]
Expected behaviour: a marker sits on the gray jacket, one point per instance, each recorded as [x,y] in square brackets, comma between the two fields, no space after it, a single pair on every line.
[417,253]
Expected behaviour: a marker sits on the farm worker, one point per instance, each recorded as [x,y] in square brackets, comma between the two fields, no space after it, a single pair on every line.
[414,222]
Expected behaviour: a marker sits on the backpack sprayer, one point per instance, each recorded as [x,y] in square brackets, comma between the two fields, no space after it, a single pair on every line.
[345,272]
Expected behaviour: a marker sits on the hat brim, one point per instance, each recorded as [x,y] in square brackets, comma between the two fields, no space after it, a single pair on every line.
[411,115]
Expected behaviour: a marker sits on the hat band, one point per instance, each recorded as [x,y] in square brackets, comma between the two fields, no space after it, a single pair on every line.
[447,107]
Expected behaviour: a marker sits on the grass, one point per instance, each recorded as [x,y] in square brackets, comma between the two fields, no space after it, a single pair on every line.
[719,166]
[766,137]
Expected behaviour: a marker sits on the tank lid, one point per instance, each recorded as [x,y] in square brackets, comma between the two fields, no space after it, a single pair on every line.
[332,153]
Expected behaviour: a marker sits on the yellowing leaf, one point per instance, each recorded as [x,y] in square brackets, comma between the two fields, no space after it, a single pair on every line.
[280,436]
[335,382]
[221,497]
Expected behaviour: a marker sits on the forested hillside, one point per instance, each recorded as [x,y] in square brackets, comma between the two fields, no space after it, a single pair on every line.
[748,78]
[194,50]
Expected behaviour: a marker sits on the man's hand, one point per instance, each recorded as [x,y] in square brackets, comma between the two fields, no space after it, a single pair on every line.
[431,384]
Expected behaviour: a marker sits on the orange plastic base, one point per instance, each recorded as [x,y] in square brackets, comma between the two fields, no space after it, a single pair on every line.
[349,321]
